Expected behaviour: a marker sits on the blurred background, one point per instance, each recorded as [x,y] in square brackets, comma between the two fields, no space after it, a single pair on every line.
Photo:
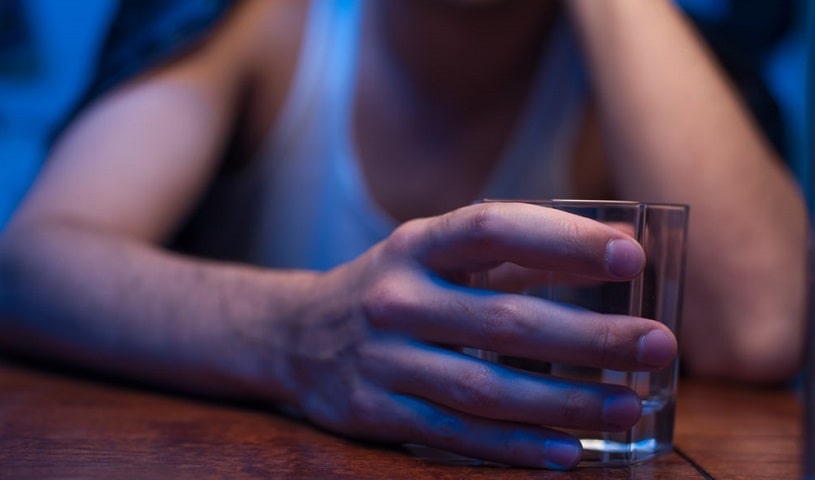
[49,50]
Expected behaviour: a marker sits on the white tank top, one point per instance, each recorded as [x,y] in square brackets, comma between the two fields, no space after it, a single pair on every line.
[304,203]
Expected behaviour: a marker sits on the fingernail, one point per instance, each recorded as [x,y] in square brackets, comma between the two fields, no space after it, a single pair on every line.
[620,412]
[561,455]
[624,258]
[656,348]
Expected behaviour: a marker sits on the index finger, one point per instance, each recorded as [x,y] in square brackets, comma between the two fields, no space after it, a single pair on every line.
[481,236]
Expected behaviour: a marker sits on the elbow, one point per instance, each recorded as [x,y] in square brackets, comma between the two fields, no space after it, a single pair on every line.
[757,357]
[768,364]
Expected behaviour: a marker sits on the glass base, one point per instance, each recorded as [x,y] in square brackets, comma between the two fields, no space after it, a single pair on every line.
[651,437]
[605,453]
[596,453]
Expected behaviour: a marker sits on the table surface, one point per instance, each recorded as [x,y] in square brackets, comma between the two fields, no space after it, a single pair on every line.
[56,425]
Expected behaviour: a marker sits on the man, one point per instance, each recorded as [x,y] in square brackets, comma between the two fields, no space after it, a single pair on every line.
[283,213]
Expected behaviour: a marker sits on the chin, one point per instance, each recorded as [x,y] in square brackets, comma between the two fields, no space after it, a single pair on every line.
[471,3]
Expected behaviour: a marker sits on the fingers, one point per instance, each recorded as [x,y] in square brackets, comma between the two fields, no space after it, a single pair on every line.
[488,390]
[391,416]
[485,235]
[372,412]
[507,443]
[517,325]
[482,236]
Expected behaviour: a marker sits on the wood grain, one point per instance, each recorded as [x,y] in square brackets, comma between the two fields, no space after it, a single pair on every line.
[739,432]
[65,426]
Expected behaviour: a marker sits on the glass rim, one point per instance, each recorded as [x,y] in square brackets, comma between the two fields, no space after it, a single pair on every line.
[577,202]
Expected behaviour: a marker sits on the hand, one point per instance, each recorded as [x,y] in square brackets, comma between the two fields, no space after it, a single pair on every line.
[370,356]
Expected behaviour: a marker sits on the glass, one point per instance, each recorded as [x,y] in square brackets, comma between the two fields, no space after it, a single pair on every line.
[656,293]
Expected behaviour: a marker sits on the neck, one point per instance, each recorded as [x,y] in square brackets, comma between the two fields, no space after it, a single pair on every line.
[457,58]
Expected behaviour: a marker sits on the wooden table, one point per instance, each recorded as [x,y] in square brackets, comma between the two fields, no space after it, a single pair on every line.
[61,426]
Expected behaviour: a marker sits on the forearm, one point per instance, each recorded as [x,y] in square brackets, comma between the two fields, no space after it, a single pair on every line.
[121,307]
[678,133]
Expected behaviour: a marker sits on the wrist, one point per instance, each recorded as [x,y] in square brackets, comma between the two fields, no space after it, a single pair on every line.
[260,336]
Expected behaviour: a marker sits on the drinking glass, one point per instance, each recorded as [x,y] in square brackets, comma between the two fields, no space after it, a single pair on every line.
[656,294]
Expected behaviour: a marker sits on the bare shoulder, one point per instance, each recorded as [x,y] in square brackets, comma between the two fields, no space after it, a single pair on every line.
[247,64]
[258,39]
[272,33]
[164,131]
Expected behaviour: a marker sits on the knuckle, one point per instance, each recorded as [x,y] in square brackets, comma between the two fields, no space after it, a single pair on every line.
[477,388]
[604,342]
[444,429]
[401,241]
[485,220]
[572,237]
[387,298]
[366,413]
[573,408]
[500,322]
